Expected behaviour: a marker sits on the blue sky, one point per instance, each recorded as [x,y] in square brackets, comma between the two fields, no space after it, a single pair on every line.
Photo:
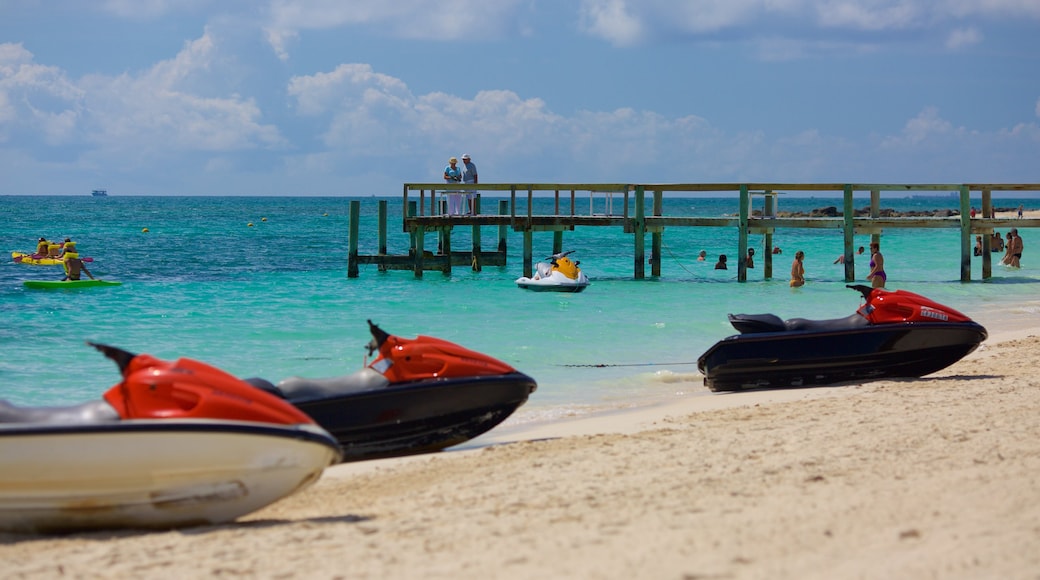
[338,97]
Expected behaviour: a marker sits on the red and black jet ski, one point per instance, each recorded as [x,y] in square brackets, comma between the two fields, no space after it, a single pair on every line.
[419,395]
[894,334]
[172,444]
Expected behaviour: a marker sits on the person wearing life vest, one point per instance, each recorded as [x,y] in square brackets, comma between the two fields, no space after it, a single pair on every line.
[73,265]
[41,248]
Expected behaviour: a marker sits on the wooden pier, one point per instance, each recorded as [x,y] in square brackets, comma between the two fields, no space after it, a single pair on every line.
[424,210]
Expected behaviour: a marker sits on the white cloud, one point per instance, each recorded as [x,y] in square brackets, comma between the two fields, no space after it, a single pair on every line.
[413,19]
[926,126]
[155,112]
[963,37]
[611,20]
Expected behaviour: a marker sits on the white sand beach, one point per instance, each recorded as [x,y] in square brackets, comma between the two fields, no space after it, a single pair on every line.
[930,478]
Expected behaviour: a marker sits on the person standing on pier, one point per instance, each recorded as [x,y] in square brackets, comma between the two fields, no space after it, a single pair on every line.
[452,174]
[469,175]
[798,270]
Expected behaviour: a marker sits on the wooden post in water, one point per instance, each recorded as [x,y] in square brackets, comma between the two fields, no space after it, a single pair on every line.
[987,236]
[352,236]
[768,211]
[475,257]
[503,230]
[418,244]
[875,212]
[640,231]
[655,236]
[528,249]
[965,234]
[445,235]
[381,213]
[849,230]
[742,236]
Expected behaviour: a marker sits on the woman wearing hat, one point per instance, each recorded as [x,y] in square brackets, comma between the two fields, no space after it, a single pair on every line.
[452,174]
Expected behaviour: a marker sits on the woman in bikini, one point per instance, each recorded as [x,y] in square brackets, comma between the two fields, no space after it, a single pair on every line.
[798,270]
[877,274]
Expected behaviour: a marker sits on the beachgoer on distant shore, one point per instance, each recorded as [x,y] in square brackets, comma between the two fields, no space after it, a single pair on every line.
[877,275]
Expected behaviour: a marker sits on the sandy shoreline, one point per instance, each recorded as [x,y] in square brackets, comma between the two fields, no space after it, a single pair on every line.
[937,477]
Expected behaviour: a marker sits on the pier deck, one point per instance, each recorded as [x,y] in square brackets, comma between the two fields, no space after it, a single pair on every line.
[425,210]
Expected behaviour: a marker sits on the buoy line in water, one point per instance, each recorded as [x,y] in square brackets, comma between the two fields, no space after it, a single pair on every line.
[605,365]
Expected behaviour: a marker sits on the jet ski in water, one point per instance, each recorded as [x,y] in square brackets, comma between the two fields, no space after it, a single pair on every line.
[892,335]
[173,444]
[419,395]
[560,274]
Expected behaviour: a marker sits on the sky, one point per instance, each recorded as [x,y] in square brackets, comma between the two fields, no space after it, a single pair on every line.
[340,97]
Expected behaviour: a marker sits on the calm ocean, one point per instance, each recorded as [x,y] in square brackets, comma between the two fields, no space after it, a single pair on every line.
[273,299]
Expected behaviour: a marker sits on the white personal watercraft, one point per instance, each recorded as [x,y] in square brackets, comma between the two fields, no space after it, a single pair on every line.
[560,274]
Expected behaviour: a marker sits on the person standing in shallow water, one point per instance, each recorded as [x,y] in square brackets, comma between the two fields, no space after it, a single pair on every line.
[798,270]
[877,274]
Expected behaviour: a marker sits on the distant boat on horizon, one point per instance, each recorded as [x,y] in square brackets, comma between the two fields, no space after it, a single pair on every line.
[99,193]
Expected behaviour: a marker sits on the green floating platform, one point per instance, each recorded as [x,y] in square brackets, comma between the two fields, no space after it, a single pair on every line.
[55,284]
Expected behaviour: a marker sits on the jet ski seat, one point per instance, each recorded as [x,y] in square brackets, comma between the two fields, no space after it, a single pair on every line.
[81,414]
[298,389]
[758,323]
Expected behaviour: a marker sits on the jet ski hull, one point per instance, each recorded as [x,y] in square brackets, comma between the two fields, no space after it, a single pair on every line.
[418,417]
[788,359]
[161,473]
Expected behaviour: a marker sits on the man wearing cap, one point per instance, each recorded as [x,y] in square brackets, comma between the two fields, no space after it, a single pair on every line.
[469,175]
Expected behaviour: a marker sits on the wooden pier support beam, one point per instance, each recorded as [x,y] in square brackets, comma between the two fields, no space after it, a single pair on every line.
[965,234]
[528,250]
[381,213]
[639,227]
[352,235]
[418,244]
[875,212]
[849,231]
[656,236]
[503,230]
[987,236]
[769,211]
[742,236]
[475,261]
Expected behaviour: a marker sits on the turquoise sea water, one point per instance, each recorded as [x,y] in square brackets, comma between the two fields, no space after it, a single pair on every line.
[273,300]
